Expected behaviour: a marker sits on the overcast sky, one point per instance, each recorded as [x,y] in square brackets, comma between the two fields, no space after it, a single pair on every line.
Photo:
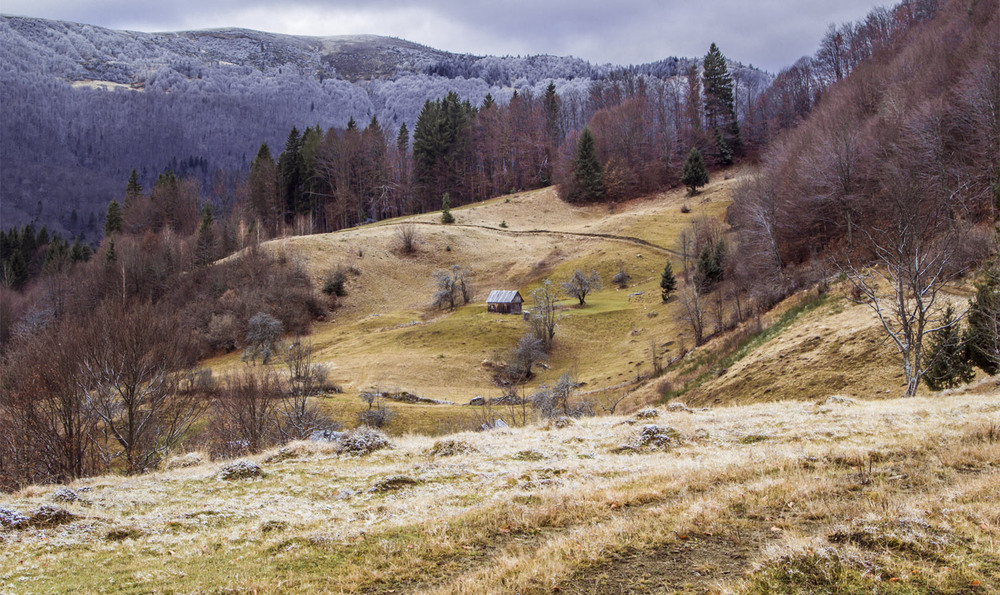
[767,33]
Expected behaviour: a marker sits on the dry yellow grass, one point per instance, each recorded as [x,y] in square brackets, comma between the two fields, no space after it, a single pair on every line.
[844,494]
[386,336]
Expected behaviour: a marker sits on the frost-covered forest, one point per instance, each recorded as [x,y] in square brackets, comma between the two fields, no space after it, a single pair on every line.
[81,106]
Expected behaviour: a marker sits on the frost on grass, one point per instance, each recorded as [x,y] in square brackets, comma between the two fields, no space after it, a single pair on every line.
[395,482]
[241,470]
[191,459]
[447,448]
[273,526]
[123,533]
[651,437]
[362,441]
[648,413]
[560,422]
[65,495]
[529,455]
[50,516]
[12,519]
[679,408]
[839,400]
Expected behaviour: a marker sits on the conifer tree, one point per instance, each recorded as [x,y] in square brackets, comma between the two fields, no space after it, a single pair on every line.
[984,324]
[668,283]
[949,356]
[134,188]
[113,221]
[694,174]
[720,110]
[16,270]
[587,173]
[262,187]
[290,173]
[109,256]
[446,216]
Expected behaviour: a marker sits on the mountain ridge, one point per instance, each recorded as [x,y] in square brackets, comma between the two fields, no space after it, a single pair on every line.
[210,98]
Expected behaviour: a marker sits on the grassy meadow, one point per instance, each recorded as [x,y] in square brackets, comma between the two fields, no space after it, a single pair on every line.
[844,496]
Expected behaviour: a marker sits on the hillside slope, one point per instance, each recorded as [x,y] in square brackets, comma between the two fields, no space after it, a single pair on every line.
[386,335]
[894,496]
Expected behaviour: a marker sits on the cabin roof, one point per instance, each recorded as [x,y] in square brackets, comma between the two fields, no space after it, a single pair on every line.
[504,296]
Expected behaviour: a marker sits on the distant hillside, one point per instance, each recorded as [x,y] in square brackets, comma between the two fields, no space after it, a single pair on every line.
[80,106]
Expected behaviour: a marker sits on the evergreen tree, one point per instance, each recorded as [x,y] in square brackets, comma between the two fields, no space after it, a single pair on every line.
[134,188]
[949,356]
[290,174]
[446,216]
[262,186]
[720,110]
[668,283]
[488,102]
[16,270]
[205,247]
[113,221]
[587,174]
[709,269]
[694,174]
[109,256]
[551,104]
[80,252]
[984,323]
[440,140]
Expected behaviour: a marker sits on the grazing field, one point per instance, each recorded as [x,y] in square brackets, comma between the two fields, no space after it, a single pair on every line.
[385,335]
[841,496]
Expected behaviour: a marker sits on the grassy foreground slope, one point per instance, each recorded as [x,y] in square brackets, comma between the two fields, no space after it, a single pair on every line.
[889,496]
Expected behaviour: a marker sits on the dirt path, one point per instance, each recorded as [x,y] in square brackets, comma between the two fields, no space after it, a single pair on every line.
[545,232]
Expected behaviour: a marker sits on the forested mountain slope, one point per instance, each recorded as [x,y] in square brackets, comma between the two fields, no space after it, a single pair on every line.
[80,106]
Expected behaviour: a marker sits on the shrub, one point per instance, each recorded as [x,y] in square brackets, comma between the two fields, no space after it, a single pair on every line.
[241,470]
[333,282]
[362,441]
[621,278]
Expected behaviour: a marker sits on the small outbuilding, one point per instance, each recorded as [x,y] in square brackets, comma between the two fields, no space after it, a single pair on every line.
[504,301]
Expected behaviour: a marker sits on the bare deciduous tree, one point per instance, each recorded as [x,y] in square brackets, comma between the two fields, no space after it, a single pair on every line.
[580,285]
[301,416]
[904,260]
[246,409]
[407,237]
[451,287]
[693,310]
[130,360]
[543,315]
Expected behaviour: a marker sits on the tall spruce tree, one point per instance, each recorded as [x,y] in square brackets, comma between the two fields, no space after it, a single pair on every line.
[694,174]
[113,220]
[262,187]
[720,110]
[290,174]
[588,174]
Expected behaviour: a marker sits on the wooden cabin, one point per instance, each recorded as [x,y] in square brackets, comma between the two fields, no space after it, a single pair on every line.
[504,301]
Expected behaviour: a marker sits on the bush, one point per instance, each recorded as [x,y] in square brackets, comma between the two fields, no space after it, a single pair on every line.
[621,278]
[333,282]
[447,448]
[241,470]
[362,441]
